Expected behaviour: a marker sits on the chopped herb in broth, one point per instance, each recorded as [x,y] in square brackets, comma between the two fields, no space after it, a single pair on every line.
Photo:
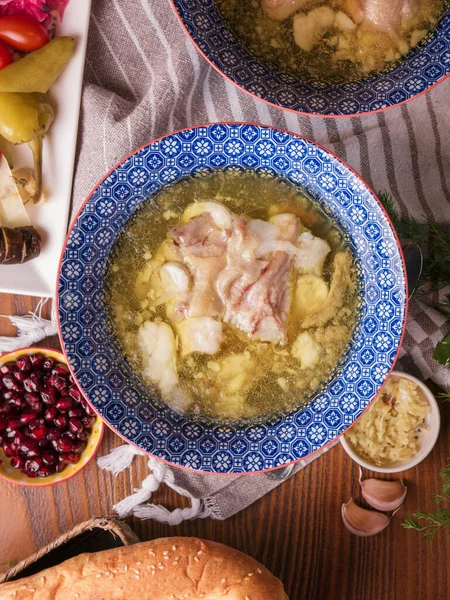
[232,294]
[330,39]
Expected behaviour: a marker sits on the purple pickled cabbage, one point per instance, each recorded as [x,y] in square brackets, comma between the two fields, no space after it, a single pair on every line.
[39,9]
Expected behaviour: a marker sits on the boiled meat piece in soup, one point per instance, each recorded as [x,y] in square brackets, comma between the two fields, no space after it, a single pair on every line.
[241,267]
[264,307]
[201,334]
[279,10]
[389,15]
[203,248]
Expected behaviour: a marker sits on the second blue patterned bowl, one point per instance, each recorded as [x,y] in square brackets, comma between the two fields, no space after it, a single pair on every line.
[105,376]
[424,67]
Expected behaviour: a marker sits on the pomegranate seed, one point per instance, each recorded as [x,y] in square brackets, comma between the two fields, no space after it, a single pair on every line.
[31,384]
[35,424]
[65,443]
[10,435]
[39,432]
[8,367]
[70,457]
[7,394]
[75,393]
[49,457]
[4,409]
[37,360]
[50,413]
[87,422]
[83,435]
[3,423]
[29,447]
[19,438]
[77,412]
[15,401]
[75,425]
[24,363]
[48,395]
[48,363]
[64,404]
[55,381]
[33,464]
[53,434]
[11,450]
[46,471]
[87,408]
[60,466]
[8,381]
[64,392]
[60,421]
[13,423]
[60,369]
[27,416]
[19,375]
[29,473]
[34,402]
[17,462]
[43,444]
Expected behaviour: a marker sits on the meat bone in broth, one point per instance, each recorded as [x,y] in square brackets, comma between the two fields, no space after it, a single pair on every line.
[232,294]
[331,39]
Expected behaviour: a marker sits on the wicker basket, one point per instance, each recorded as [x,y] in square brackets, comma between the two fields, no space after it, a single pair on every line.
[119,535]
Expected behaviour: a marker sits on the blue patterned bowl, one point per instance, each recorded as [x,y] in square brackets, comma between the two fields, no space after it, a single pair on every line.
[424,67]
[104,375]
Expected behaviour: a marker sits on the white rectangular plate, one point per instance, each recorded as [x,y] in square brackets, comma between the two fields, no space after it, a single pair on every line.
[38,277]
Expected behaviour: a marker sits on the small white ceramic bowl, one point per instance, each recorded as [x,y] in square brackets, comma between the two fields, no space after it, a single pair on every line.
[433,421]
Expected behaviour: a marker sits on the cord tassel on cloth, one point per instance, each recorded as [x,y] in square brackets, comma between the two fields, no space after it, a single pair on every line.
[31,328]
[120,459]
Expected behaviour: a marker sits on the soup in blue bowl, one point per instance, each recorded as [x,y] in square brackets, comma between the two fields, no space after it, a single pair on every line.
[231,298]
[325,58]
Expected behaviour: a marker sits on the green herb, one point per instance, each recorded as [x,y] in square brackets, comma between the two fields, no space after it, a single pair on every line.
[434,240]
[442,351]
[427,523]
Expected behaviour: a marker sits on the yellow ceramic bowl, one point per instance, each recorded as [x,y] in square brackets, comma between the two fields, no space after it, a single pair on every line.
[14,475]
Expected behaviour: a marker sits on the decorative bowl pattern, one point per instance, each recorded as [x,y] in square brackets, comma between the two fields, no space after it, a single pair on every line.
[15,475]
[104,375]
[425,66]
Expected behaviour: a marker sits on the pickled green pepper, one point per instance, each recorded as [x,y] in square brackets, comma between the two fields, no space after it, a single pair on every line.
[37,71]
[24,119]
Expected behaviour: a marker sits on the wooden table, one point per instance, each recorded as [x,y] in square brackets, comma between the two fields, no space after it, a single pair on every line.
[296,530]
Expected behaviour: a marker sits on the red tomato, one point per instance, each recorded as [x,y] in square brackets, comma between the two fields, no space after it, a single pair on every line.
[22,32]
[5,57]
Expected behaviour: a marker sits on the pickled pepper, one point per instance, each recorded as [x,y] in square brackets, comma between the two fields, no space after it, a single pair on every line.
[37,71]
[24,119]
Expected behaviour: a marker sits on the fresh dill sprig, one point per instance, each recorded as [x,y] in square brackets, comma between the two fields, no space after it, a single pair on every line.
[428,523]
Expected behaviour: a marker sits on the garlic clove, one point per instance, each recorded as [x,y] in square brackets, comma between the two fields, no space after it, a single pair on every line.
[383,495]
[363,522]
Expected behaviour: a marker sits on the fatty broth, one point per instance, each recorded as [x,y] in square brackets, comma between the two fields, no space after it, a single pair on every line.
[247,377]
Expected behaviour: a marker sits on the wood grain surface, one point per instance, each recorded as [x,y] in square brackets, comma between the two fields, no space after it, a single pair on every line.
[296,530]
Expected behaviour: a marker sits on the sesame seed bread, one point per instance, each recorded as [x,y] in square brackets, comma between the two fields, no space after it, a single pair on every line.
[176,568]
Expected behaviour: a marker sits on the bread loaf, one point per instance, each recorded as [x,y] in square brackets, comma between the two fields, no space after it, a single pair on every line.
[177,568]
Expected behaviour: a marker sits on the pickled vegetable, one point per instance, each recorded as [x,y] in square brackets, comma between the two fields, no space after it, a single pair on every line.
[39,70]
[25,118]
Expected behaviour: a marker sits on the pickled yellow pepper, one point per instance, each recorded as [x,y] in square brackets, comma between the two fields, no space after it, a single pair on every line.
[24,119]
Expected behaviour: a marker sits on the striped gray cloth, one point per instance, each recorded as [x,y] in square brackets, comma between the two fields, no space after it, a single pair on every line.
[144,78]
